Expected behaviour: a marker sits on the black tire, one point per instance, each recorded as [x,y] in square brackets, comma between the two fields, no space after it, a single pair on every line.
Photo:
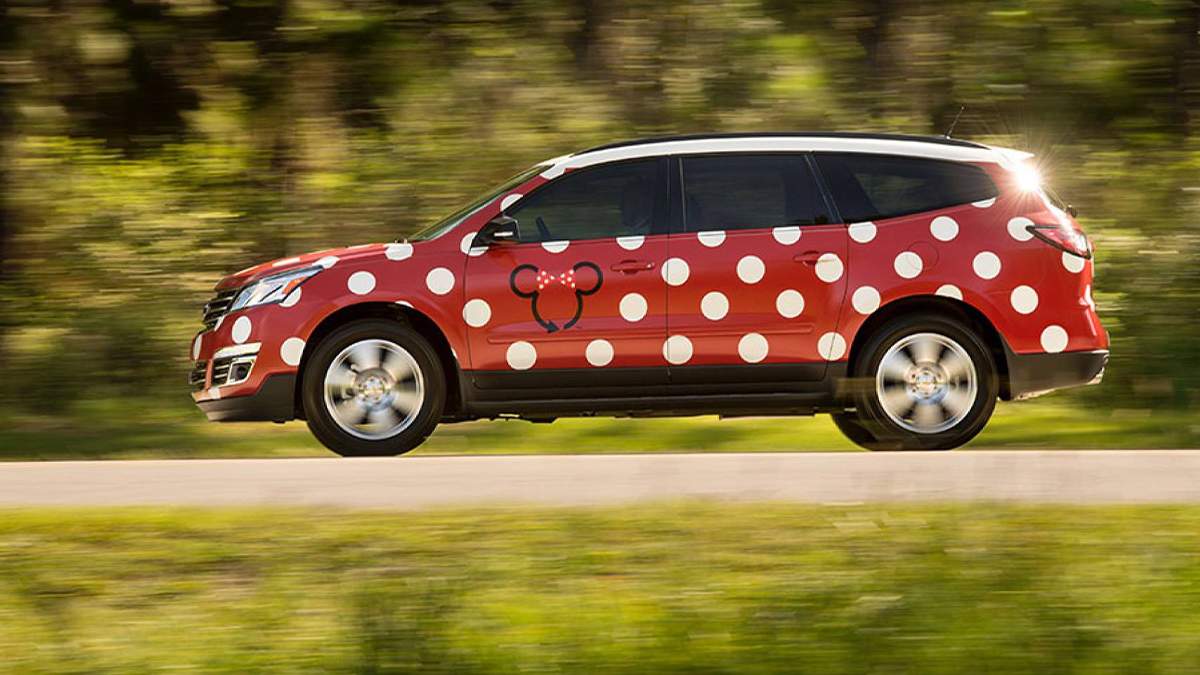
[321,421]
[871,427]
[848,423]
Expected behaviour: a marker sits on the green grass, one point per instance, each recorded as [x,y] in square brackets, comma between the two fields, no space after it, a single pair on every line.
[658,588]
[148,429]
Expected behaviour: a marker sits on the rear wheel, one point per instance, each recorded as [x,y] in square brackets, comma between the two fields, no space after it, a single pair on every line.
[373,388]
[922,383]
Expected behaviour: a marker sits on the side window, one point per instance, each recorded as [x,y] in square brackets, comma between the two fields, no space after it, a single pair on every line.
[873,187]
[611,200]
[739,192]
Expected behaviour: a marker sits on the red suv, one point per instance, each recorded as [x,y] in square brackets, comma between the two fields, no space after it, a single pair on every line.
[900,283]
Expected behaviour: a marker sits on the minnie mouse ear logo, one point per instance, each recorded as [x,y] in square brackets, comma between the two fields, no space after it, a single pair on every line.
[544,281]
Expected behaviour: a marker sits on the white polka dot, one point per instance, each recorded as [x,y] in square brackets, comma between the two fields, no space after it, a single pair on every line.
[633,307]
[398,251]
[440,280]
[863,232]
[677,350]
[285,261]
[509,200]
[632,242]
[714,306]
[986,265]
[328,261]
[908,264]
[984,203]
[949,291]
[196,348]
[521,355]
[829,268]
[556,246]
[291,350]
[831,346]
[751,269]
[944,228]
[789,304]
[786,235]
[865,300]
[241,330]
[361,283]
[711,238]
[675,271]
[752,348]
[599,353]
[292,298]
[1073,263]
[1017,228]
[1024,299]
[214,393]
[467,249]
[477,313]
[1054,339]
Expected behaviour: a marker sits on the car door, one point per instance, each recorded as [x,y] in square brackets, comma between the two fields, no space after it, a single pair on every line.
[756,273]
[577,303]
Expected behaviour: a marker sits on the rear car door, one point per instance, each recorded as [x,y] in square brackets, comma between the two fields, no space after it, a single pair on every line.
[756,275]
[577,303]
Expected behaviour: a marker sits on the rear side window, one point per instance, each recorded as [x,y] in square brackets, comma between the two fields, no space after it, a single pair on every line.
[739,192]
[611,200]
[874,187]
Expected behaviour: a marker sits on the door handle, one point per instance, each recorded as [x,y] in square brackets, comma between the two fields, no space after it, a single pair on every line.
[631,266]
[807,258]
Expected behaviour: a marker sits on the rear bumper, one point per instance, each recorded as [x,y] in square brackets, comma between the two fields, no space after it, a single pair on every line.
[1032,374]
[275,401]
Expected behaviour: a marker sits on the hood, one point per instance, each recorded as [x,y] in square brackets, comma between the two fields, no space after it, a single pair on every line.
[243,277]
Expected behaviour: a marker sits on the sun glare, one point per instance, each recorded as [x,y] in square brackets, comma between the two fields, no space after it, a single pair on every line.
[1028,178]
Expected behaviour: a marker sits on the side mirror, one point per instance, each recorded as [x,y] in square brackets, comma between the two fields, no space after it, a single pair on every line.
[499,230]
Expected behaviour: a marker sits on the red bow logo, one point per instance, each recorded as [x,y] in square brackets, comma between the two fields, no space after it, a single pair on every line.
[545,278]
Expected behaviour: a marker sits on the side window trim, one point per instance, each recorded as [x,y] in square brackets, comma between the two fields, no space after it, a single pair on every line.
[661,205]
[835,216]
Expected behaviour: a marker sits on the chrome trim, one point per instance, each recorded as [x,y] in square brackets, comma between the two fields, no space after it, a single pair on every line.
[247,349]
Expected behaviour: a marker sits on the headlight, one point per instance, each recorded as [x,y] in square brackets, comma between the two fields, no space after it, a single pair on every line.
[273,288]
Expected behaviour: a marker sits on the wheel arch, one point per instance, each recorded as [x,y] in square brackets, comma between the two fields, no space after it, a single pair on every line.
[941,306]
[391,311]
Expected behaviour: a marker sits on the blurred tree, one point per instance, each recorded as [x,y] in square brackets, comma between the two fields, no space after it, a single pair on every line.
[148,148]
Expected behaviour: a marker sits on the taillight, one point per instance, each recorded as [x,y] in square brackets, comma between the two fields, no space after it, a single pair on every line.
[1064,238]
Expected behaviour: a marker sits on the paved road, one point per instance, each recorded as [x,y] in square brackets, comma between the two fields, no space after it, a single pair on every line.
[421,482]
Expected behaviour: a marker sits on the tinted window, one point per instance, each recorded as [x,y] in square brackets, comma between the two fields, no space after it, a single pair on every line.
[735,192]
[607,201]
[872,187]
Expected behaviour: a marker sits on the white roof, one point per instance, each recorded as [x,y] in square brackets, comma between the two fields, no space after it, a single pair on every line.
[694,146]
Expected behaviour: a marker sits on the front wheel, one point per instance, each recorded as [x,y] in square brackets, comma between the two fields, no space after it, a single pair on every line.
[922,383]
[373,388]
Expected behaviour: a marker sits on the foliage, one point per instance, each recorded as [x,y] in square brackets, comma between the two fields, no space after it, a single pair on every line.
[149,148]
[663,588]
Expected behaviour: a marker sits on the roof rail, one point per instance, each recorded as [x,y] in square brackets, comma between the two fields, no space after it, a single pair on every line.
[940,140]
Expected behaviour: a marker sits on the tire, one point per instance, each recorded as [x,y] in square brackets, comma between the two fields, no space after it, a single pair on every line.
[939,368]
[373,388]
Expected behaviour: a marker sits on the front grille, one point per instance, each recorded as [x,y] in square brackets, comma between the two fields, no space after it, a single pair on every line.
[217,307]
[196,377]
[231,370]
[220,371]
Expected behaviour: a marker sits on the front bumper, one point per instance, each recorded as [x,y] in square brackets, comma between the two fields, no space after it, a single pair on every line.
[1030,375]
[275,401]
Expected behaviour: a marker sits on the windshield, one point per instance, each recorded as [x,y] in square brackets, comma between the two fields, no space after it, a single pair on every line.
[449,222]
